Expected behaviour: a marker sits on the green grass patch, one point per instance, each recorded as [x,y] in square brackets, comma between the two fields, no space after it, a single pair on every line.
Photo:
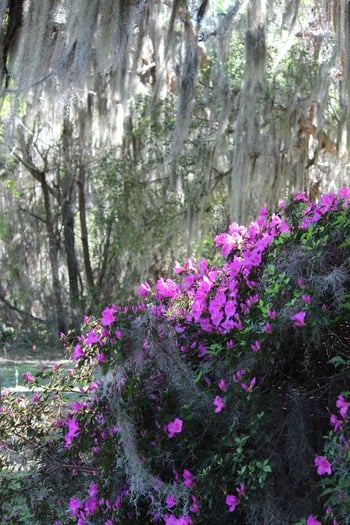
[12,374]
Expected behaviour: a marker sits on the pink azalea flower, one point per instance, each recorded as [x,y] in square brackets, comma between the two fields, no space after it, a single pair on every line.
[267,328]
[343,406]
[92,338]
[174,427]
[344,193]
[170,501]
[166,289]
[28,377]
[299,319]
[232,501]
[230,308]
[249,388]
[78,352]
[73,431]
[255,346]
[77,405]
[144,289]
[188,478]
[219,404]
[272,314]
[306,298]
[90,506]
[312,521]
[216,317]
[93,490]
[336,423]
[328,201]
[107,317]
[172,520]
[323,465]
[74,506]
[300,197]
[237,376]
[194,507]
[241,489]
[222,385]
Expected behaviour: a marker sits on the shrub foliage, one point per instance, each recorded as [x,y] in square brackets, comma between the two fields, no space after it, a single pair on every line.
[221,398]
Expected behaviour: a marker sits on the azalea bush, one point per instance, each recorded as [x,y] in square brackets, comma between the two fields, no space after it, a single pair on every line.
[209,401]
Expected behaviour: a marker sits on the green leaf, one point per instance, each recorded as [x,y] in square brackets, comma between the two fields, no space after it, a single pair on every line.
[338,361]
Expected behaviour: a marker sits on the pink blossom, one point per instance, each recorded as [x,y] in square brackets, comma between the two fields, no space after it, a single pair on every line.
[219,404]
[298,318]
[172,520]
[93,490]
[343,406]
[249,388]
[306,298]
[178,268]
[323,465]
[227,325]
[336,423]
[300,197]
[90,506]
[92,338]
[28,377]
[344,193]
[168,289]
[144,289]
[93,386]
[263,212]
[74,506]
[312,521]
[170,501]
[78,352]
[77,405]
[73,431]
[107,317]
[194,507]
[222,385]
[230,308]
[232,501]
[237,376]
[328,201]
[255,346]
[174,427]
[267,328]
[216,316]
[241,489]
[188,478]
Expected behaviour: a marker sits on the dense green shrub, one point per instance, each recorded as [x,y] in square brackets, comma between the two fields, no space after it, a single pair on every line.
[209,402]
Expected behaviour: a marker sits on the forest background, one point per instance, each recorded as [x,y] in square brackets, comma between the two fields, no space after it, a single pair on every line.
[133,132]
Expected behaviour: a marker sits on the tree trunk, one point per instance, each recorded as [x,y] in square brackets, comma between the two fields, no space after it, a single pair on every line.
[53,252]
[68,196]
[83,226]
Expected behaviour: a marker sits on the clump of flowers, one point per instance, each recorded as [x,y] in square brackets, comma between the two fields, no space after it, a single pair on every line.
[195,405]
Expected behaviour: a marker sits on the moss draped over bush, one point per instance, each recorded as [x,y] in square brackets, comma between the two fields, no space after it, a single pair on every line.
[210,401]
